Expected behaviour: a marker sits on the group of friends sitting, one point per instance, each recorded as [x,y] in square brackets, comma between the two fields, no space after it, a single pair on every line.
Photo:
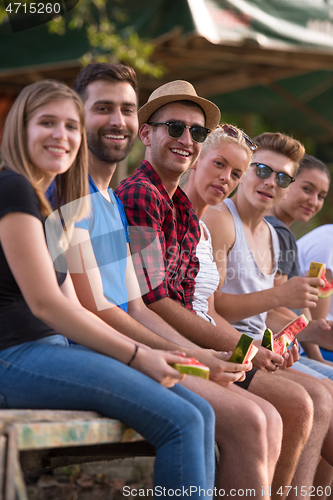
[101,292]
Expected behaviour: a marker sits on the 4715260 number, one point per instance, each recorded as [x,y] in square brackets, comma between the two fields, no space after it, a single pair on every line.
[303,491]
[33,8]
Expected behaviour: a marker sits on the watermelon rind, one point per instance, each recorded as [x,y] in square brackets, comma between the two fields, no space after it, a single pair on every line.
[242,349]
[250,355]
[199,371]
[267,340]
[326,291]
[318,270]
[278,346]
[293,328]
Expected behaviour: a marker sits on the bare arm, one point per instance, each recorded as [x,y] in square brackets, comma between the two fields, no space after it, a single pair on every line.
[24,245]
[295,293]
[208,335]
[323,305]
[140,324]
[264,357]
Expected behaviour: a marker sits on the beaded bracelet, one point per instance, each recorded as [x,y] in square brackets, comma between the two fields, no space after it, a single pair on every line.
[132,358]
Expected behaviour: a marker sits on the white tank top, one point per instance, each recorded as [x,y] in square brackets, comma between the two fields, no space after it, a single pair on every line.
[243,274]
[207,279]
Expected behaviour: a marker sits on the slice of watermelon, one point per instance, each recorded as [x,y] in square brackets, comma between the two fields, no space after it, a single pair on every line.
[192,367]
[267,340]
[244,350]
[279,346]
[292,329]
[318,270]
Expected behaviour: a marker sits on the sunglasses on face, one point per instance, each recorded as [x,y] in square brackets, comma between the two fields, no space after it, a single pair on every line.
[176,130]
[233,132]
[264,172]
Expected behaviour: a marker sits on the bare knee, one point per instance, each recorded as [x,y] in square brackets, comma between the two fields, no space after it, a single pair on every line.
[293,403]
[322,401]
[246,426]
[275,423]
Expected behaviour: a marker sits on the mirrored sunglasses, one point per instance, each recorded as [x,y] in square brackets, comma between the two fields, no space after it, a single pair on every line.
[176,130]
[264,172]
[233,132]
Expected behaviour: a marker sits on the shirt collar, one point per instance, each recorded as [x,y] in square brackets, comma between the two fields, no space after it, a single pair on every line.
[179,197]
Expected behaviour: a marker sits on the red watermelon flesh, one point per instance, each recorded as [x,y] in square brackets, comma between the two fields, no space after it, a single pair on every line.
[318,270]
[191,361]
[279,346]
[325,291]
[250,355]
[192,366]
[293,328]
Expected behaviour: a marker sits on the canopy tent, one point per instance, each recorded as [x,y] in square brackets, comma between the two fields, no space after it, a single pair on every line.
[271,57]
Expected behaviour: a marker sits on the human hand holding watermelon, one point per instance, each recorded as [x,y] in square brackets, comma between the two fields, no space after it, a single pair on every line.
[221,370]
[298,292]
[244,351]
[318,270]
[278,343]
[155,363]
[191,366]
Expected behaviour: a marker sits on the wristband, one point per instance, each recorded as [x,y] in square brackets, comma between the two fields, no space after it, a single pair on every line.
[134,354]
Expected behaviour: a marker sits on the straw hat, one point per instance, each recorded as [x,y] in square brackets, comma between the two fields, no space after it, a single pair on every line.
[178,90]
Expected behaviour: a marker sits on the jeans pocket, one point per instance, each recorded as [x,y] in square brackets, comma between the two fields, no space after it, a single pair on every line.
[3,402]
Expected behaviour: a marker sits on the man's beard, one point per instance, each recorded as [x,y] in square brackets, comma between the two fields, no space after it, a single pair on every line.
[112,153]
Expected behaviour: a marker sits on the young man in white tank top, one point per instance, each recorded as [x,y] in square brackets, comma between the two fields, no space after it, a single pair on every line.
[246,296]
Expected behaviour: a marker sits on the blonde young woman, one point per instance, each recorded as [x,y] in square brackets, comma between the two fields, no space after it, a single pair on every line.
[44,137]
[224,159]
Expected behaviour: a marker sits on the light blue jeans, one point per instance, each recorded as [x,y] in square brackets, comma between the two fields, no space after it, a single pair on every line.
[325,371]
[49,374]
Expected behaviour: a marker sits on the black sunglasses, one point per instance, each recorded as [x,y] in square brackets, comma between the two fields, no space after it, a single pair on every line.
[264,171]
[233,132]
[176,130]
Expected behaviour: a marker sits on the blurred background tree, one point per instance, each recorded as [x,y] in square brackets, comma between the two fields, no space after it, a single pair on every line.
[106,44]
[256,89]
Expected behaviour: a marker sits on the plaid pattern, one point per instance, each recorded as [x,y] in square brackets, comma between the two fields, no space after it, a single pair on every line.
[163,249]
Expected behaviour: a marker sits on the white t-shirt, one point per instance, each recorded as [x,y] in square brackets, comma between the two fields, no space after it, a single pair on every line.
[317,246]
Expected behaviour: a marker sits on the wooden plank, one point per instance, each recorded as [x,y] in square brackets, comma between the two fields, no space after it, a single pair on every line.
[59,457]
[3,448]
[11,461]
[47,438]
[21,491]
[247,54]
[46,415]
[39,435]
[303,108]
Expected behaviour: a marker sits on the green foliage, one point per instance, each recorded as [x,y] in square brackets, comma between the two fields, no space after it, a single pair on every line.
[106,43]
[3,13]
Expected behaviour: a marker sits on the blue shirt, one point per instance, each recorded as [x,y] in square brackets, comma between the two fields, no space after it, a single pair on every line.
[108,229]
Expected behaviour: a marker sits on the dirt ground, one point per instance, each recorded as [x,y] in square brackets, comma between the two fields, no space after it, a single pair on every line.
[94,481]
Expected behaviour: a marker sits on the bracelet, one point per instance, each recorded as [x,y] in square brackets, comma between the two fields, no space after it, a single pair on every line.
[132,358]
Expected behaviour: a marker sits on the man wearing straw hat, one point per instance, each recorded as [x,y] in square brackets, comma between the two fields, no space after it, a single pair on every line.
[108,92]
[173,125]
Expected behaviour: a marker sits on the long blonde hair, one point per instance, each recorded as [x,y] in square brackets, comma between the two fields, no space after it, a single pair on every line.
[73,184]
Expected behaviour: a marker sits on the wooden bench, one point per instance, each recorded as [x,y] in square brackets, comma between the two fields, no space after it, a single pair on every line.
[42,439]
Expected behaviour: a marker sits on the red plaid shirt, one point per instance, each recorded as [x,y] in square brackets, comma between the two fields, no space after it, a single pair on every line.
[163,248]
